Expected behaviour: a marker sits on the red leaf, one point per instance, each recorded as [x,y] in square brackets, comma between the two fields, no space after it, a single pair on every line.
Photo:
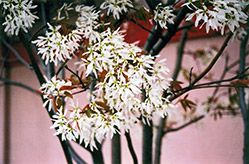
[66,87]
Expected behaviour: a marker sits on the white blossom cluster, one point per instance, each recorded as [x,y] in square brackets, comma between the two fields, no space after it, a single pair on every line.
[116,7]
[87,22]
[163,15]
[116,103]
[56,47]
[65,8]
[225,13]
[53,88]
[18,15]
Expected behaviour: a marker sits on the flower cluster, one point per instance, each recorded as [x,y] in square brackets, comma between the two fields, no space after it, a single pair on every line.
[17,15]
[87,22]
[116,7]
[223,14]
[65,8]
[56,47]
[163,15]
[54,88]
[121,70]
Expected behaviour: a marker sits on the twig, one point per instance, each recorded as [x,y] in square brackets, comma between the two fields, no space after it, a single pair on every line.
[81,82]
[184,125]
[211,64]
[144,28]
[209,84]
[190,75]
[209,67]
[61,67]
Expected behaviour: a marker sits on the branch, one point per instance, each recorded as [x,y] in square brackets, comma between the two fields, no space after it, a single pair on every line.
[184,125]
[242,62]
[81,82]
[16,54]
[32,58]
[130,146]
[187,26]
[61,67]
[209,67]
[171,31]
[75,156]
[210,84]
[177,69]
[9,60]
[19,85]
[211,64]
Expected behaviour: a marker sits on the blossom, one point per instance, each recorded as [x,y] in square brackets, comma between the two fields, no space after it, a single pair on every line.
[65,8]
[163,15]
[116,7]
[17,15]
[87,22]
[223,14]
[56,47]
[52,88]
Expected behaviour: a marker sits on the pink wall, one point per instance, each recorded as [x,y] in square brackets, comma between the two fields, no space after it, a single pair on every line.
[208,142]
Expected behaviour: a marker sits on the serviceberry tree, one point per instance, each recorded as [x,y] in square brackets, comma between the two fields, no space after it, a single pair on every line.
[126,85]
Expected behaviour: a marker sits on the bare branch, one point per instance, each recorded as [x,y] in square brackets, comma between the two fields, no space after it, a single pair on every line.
[16,54]
[209,67]
[184,125]
[19,85]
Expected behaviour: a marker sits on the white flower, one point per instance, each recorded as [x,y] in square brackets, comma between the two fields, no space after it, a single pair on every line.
[115,104]
[51,89]
[116,7]
[17,15]
[223,14]
[163,15]
[55,47]
[65,8]
[87,22]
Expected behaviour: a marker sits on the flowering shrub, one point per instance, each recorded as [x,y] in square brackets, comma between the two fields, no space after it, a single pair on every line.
[126,84]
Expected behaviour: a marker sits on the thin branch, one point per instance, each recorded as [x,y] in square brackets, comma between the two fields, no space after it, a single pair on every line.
[184,125]
[6,81]
[221,78]
[216,86]
[211,64]
[130,146]
[81,82]
[144,28]
[209,67]
[159,136]
[16,54]
[61,67]
[209,84]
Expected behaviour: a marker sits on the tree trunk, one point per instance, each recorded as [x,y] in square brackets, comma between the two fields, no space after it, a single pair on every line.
[243,106]
[147,143]
[116,149]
